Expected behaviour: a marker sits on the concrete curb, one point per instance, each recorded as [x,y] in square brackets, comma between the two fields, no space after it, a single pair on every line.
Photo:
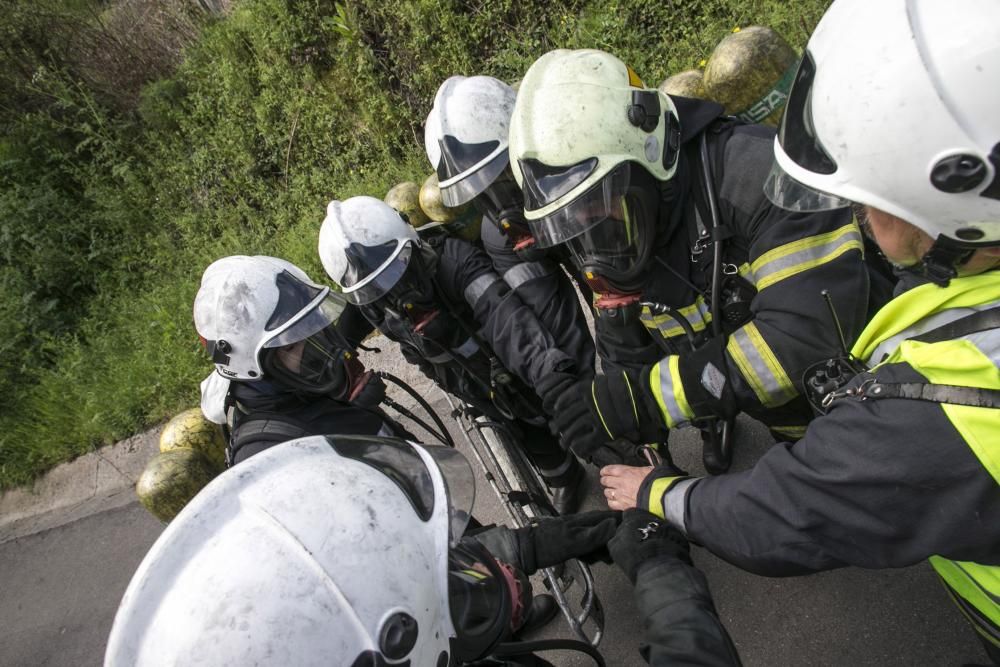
[105,479]
[94,482]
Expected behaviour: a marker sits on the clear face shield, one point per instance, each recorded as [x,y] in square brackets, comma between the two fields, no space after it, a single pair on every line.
[313,356]
[472,160]
[800,143]
[372,271]
[608,229]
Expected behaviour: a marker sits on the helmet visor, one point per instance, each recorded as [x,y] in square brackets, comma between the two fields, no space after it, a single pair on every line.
[466,184]
[400,461]
[477,600]
[792,195]
[294,296]
[374,270]
[544,184]
[797,131]
[324,314]
[601,203]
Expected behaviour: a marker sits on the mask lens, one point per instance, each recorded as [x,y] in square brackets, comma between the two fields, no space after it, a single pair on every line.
[610,247]
[317,363]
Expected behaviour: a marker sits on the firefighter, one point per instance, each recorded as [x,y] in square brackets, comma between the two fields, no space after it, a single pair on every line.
[459,322]
[905,463]
[465,136]
[708,295]
[283,369]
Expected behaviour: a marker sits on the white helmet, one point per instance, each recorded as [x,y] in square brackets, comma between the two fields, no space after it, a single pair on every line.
[339,550]
[262,316]
[365,247]
[466,135]
[586,137]
[906,119]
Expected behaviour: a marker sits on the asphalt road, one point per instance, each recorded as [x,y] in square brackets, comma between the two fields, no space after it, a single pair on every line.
[59,590]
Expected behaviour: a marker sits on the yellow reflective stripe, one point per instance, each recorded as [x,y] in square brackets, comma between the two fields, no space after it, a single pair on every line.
[669,392]
[697,315]
[795,432]
[793,258]
[757,363]
[979,585]
[593,398]
[656,492]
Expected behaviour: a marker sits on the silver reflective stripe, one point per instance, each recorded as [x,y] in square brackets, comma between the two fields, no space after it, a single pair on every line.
[477,288]
[677,415]
[674,502]
[439,358]
[768,387]
[987,342]
[385,431]
[519,274]
[466,349]
[804,254]
[889,345]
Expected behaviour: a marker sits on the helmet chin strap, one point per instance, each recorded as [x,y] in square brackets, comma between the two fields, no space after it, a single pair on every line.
[940,263]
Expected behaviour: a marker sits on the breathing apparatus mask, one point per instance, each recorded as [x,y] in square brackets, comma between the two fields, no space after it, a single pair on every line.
[311,355]
[412,299]
[503,203]
[609,230]
[321,363]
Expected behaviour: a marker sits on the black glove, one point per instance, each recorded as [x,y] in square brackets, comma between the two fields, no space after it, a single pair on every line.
[562,400]
[617,452]
[704,373]
[623,403]
[552,541]
[642,536]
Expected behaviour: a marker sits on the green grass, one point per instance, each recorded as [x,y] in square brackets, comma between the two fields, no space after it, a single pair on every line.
[108,217]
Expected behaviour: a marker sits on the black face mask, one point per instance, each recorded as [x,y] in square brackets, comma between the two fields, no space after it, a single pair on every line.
[324,365]
[503,202]
[413,303]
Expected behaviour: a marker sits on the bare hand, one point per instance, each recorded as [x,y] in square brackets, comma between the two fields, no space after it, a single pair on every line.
[621,484]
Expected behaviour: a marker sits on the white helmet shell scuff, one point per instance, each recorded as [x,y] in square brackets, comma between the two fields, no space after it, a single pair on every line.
[466,134]
[248,304]
[332,550]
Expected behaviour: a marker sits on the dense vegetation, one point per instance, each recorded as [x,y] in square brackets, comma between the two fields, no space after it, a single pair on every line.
[144,138]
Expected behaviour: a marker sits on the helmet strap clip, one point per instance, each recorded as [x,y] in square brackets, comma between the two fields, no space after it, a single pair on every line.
[940,263]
